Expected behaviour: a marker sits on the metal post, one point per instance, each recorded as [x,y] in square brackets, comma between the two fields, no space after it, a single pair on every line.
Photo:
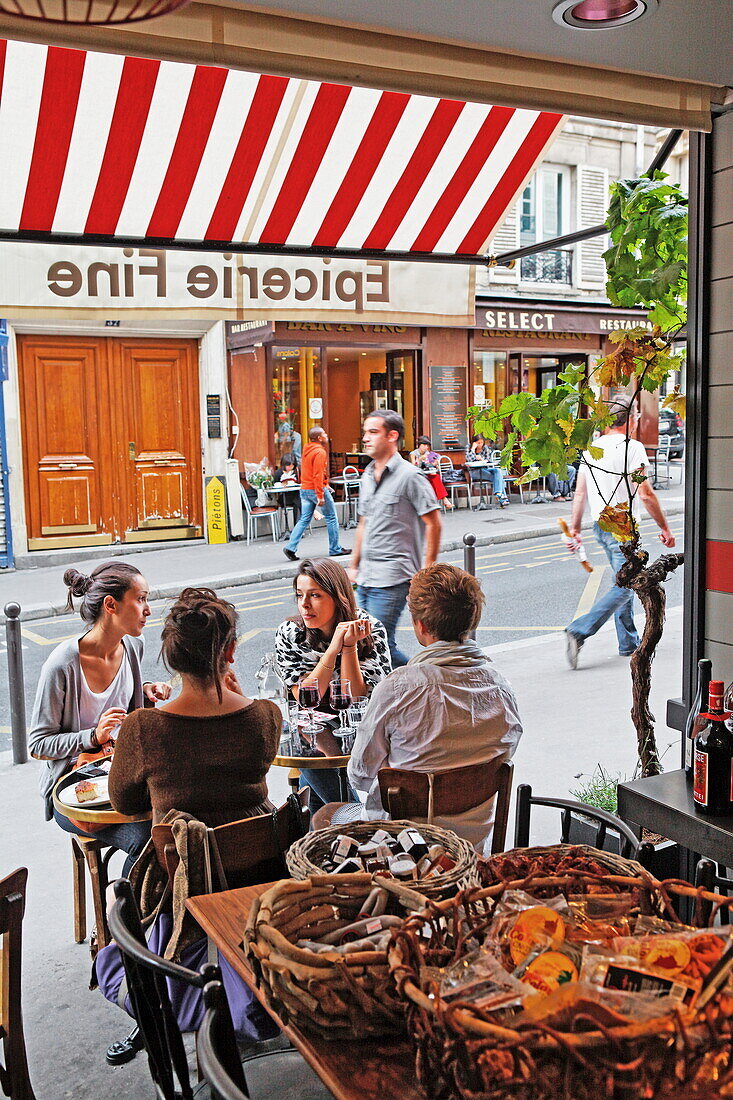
[469,560]
[16,686]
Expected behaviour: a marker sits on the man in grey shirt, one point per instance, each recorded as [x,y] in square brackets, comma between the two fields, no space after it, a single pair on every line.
[397,506]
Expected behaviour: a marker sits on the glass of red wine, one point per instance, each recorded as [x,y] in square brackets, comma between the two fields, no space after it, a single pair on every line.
[309,696]
[341,699]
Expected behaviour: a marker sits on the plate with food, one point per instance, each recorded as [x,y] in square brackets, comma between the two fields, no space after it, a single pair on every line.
[87,792]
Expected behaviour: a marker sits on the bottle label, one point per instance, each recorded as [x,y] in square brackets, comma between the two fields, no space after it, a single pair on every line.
[700,793]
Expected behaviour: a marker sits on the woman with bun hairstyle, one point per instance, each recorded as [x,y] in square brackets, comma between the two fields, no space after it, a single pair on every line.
[90,683]
[206,752]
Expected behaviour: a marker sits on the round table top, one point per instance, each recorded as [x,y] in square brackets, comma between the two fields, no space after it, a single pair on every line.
[96,815]
[328,745]
[289,487]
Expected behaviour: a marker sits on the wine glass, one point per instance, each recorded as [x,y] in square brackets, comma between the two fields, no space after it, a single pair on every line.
[341,701]
[728,699]
[309,696]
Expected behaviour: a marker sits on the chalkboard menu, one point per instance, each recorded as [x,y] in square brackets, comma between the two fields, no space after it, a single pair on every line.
[448,408]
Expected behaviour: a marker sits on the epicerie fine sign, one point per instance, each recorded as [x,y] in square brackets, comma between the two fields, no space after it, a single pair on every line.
[116,281]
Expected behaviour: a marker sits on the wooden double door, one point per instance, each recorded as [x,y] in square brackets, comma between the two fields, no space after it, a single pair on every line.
[111,440]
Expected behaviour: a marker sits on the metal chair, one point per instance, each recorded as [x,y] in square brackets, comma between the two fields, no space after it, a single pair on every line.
[631,847]
[710,876]
[254,515]
[663,457]
[447,467]
[15,1080]
[407,795]
[352,480]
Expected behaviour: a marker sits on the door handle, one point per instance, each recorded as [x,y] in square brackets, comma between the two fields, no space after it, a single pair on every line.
[132,449]
[68,465]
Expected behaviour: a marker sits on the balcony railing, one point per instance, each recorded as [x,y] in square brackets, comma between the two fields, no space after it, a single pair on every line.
[554,266]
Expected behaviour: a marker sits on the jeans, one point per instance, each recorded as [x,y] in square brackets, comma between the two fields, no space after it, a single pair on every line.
[386,604]
[325,787]
[494,474]
[130,837]
[308,503]
[618,602]
[561,488]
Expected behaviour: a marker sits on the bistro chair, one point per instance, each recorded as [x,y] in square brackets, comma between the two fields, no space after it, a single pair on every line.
[248,851]
[254,515]
[663,458]
[630,846]
[15,1081]
[447,470]
[711,877]
[352,481]
[409,795]
[213,1049]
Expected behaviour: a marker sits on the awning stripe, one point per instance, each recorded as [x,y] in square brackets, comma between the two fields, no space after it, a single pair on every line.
[139,150]
[134,97]
[59,99]
[203,101]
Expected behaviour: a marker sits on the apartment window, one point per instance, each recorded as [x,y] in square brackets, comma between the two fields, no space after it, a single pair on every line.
[544,214]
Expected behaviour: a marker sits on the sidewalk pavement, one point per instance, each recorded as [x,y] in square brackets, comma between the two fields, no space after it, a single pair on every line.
[170,567]
[572,722]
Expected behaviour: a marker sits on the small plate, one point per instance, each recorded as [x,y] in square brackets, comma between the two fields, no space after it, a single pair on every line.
[68,797]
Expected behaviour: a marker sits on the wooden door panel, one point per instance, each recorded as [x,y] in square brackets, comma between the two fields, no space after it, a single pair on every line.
[163,496]
[65,420]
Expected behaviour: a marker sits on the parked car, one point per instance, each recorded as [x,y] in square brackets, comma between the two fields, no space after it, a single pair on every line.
[672,425]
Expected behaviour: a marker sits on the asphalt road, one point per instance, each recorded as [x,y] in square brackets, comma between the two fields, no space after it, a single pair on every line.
[532,588]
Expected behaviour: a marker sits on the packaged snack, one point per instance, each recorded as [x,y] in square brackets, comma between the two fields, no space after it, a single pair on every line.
[599,918]
[689,955]
[522,924]
[625,973]
[480,979]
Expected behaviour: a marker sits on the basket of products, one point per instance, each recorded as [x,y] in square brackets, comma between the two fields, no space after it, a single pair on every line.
[531,864]
[429,859]
[319,950]
[569,986]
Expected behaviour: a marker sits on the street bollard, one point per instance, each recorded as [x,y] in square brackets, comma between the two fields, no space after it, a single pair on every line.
[16,686]
[469,560]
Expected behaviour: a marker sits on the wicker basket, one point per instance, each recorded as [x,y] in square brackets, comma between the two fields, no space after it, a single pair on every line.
[305,857]
[462,1053]
[526,865]
[337,996]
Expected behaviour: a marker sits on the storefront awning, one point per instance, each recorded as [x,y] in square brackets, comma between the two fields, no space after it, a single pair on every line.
[122,150]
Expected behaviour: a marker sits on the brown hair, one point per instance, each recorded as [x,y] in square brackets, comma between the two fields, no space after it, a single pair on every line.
[334,580]
[111,578]
[197,631]
[391,420]
[622,408]
[446,600]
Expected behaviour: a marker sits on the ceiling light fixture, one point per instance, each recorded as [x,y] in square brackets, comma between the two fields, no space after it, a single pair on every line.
[591,15]
[89,13]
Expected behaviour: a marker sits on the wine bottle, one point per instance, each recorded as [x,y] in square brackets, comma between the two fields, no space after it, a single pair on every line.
[695,721]
[713,789]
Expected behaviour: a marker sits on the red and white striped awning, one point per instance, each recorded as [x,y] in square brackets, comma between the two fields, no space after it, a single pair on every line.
[112,149]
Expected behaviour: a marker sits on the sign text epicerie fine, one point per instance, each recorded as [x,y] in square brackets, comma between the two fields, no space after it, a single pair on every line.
[316,281]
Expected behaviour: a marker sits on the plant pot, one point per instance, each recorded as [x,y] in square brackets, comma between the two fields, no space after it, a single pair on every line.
[664,863]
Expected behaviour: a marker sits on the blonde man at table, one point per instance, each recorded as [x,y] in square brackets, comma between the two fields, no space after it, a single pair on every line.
[447,708]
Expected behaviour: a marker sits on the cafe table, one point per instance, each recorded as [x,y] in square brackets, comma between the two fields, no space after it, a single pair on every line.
[274,491]
[330,756]
[369,1069]
[96,815]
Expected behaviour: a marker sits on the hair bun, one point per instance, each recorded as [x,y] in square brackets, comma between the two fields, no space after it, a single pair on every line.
[77,583]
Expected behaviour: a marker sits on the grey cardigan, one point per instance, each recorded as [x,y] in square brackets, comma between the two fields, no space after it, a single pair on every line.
[55,735]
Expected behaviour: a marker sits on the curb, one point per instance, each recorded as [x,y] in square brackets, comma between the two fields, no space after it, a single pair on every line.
[282,572]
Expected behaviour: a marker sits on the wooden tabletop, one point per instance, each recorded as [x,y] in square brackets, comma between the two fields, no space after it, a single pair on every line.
[375,1069]
[97,815]
[328,744]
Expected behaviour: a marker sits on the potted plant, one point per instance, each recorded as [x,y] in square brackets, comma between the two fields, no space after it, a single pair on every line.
[646,264]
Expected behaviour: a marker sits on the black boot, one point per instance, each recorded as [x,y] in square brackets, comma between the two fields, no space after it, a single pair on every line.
[120,1053]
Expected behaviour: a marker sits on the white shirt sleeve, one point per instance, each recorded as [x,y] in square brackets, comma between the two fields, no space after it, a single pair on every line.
[371,748]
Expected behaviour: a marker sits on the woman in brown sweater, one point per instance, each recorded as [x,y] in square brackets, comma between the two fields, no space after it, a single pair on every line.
[207,751]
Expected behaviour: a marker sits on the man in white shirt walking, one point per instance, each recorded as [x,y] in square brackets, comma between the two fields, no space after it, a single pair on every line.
[601,482]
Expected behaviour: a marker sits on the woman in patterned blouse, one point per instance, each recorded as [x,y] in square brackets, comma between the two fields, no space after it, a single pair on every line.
[329,638]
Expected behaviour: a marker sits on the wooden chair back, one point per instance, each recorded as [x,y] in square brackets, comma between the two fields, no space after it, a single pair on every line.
[426,795]
[14,1077]
[248,851]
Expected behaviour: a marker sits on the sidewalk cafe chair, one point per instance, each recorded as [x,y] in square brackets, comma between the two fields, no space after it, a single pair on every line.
[352,481]
[710,876]
[213,1050]
[663,458]
[14,1078]
[447,470]
[630,845]
[254,515]
[409,795]
[248,851]
[96,856]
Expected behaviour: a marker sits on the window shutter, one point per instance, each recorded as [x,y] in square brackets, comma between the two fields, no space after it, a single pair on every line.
[505,239]
[592,207]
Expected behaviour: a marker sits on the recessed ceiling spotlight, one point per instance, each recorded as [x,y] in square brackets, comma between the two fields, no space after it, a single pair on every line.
[591,15]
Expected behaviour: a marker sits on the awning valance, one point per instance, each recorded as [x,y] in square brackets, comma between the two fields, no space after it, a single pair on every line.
[108,148]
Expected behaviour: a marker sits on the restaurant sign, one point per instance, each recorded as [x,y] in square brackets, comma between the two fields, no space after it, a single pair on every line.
[512,317]
[80,281]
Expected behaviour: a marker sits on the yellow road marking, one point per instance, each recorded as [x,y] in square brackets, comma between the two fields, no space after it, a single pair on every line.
[250,634]
[589,593]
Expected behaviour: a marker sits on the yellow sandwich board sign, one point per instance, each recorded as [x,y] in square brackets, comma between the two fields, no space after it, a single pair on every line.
[216,509]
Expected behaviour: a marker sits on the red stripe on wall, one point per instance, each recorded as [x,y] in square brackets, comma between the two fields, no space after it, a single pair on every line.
[193,133]
[137,84]
[3,49]
[434,137]
[377,136]
[719,568]
[522,163]
[59,98]
[247,156]
[463,178]
[317,133]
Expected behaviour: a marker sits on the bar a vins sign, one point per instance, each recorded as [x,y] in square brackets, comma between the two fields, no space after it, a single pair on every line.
[117,281]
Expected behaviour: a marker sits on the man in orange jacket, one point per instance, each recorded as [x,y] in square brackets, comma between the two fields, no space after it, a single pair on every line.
[314,491]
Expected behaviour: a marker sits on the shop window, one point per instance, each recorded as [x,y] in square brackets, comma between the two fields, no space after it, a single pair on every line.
[489,378]
[297,400]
